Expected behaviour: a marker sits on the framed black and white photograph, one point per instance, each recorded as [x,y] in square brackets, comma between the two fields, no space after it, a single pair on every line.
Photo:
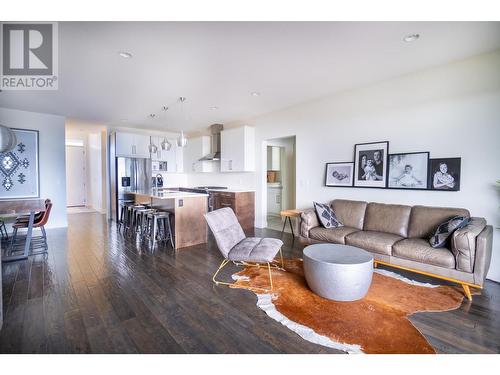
[444,174]
[19,171]
[370,164]
[408,170]
[339,174]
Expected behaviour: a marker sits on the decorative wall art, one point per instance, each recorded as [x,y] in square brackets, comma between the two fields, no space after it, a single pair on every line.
[408,170]
[370,164]
[19,170]
[445,174]
[339,174]
[374,167]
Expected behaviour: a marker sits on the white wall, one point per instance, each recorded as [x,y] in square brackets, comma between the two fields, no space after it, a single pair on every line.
[51,156]
[452,110]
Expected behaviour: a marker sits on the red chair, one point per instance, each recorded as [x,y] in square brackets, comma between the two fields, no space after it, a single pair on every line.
[38,215]
[41,219]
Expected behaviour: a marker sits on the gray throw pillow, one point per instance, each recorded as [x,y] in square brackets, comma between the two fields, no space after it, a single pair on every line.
[446,229]
[326,216]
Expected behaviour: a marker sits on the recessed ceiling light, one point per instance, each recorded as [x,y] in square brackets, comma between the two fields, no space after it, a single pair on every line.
[214,108]
[164,108]
[125,55]
[411,37]
[152,115]
[255,93]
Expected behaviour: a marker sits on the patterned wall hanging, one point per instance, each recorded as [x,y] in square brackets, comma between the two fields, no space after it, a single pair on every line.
[19,177]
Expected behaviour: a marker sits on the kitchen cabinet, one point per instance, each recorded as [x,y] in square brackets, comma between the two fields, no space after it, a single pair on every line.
[195,149]
[238,150]
[132,145]
[242,203]
[274,199]
[273,158]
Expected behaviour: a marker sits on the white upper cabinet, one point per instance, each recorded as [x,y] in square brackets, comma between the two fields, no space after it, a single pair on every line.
[238,150]
[195,149]
[132,145]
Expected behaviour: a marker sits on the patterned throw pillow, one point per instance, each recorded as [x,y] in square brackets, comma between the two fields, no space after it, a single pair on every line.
[326,216]
[445,230]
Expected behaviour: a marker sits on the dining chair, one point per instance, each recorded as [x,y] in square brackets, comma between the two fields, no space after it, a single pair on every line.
[40,221]
[241,250]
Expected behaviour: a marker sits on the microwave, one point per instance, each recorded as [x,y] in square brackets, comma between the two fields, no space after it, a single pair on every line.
[159,166]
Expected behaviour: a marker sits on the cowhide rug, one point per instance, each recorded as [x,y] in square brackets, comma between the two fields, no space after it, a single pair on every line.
[376,324]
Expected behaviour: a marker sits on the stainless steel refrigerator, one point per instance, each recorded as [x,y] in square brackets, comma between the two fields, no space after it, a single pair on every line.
[132,175]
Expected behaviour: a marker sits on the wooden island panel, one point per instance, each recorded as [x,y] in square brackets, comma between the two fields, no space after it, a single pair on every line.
[242,203]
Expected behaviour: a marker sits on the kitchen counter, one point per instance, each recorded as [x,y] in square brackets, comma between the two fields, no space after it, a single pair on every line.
[188,211]
[169,194]
[229,190]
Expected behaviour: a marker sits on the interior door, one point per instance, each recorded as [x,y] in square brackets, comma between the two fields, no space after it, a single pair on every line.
[75,176]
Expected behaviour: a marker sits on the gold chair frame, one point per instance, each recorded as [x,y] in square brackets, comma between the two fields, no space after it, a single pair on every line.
[269,265]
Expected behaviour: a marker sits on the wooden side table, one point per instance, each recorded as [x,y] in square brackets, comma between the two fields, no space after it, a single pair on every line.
[288,214]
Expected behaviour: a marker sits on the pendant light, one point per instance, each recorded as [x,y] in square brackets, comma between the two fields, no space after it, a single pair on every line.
[8,139]
[165,145]
[152,147]
[182,140]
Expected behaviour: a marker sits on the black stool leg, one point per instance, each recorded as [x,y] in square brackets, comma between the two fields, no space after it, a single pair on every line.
[291,226]
[284,225]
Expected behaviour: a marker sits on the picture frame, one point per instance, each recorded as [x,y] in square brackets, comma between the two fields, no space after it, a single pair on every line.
[19,168]
[408,170]
[445,174]
[370,164]
[339,174]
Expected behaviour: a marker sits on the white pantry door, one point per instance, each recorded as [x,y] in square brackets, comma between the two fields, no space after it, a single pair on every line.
[75,176]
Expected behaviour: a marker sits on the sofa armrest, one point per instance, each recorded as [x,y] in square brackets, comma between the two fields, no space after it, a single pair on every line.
[308,220]
[484,246]
[463,244]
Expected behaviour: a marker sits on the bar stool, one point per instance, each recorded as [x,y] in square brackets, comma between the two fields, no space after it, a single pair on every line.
[122,221]
[159,227]
[131,216]
[140,218]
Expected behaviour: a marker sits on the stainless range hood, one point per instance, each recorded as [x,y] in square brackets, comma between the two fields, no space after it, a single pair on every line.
[214,155]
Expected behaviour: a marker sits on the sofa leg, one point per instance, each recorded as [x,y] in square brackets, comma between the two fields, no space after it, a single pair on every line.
[467,291]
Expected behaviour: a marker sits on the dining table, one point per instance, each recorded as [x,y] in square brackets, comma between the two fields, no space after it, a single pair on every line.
[20,207]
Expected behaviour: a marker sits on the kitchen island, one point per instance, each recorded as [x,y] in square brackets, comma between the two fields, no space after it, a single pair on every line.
[190,227]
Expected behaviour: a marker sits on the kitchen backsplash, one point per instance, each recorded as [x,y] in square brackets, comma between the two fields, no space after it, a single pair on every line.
[244,180]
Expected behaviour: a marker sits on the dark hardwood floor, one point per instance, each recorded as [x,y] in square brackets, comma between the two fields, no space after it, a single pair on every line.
[98,292]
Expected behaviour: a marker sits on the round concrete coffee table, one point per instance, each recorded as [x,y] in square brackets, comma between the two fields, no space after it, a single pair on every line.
[338,272]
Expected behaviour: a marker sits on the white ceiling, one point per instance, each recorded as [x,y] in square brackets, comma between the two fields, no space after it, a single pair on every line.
[221,63]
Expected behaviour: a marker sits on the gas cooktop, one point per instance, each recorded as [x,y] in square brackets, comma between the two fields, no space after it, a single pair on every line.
[211,187]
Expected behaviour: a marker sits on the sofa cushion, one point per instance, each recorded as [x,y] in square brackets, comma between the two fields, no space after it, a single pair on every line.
[377,242]
[446,229]
[387,218]
[350,213]
[335,235]
[463,244]
[326,215]
[418,249]
[424,220]
[255,249]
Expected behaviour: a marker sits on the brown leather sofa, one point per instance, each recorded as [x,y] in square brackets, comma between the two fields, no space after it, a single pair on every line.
[397,236]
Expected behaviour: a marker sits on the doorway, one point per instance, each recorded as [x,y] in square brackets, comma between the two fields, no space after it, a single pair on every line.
[280,180]
[76,175]
[86,147]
